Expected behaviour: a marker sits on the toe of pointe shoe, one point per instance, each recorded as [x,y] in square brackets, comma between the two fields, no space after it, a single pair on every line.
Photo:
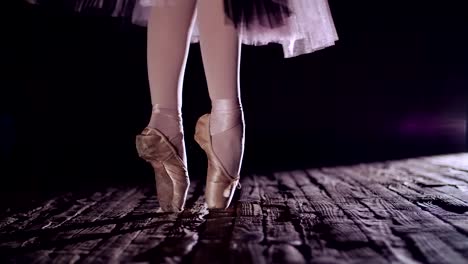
[219,195]
[171,175]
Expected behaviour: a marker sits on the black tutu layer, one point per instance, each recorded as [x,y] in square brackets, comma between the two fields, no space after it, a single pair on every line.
[243,13]
[268,13]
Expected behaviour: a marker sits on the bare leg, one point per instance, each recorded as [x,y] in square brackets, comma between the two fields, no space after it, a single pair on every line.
[220,46]
[169,31]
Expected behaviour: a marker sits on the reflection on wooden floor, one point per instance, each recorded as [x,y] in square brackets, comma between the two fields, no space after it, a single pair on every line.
[411,211]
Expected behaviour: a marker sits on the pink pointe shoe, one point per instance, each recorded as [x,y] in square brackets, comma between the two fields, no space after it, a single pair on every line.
[172,181]
[220,185]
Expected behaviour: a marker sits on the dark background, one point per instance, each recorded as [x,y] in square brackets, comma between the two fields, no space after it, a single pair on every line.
[75,94]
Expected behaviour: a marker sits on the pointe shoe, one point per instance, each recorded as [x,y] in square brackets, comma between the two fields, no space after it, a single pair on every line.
[220,185]
[171,175]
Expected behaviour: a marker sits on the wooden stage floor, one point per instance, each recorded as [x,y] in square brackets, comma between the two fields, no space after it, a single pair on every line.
[409,211]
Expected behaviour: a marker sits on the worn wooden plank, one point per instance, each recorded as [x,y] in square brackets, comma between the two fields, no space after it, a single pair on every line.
[434,250]
[338,235]
[438,173]
[247,233]
[22,219]
[407,215]
[42,235]
[281,228]
[285,253]
[310,222]
[407,211]
[278,215]
[79,236]
[453,161]
[116,227]
[440,217]
[428,176]
[76,209]
[205,232]
[80,244]
[376,228]
[449,207]
[148,233]
[214,237]
[170,238]
[174,236]
[41,217]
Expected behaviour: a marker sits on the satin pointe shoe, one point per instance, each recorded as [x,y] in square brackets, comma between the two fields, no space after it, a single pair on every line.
[220,186]
[172,181]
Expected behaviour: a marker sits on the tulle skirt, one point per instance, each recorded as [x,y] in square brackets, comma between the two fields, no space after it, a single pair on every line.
[300,26]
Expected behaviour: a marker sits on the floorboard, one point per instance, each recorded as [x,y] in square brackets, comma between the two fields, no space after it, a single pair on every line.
[405,211]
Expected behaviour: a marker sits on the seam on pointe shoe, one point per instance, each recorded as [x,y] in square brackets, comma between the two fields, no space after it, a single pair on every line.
[164,167]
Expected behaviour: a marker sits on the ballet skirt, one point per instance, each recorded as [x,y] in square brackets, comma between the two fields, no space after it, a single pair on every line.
[299,26]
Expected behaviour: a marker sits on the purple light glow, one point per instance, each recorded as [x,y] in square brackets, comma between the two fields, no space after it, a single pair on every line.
[431,125]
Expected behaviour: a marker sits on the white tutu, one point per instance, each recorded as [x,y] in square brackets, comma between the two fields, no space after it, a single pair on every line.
[309,29]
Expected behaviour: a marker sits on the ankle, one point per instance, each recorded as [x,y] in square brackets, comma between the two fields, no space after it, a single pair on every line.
[167,120]
[225,114]
[227,132]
